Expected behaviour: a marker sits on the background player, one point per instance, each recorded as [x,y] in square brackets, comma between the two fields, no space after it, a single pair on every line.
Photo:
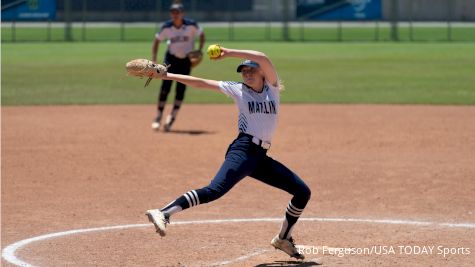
[257,98]
[180,34]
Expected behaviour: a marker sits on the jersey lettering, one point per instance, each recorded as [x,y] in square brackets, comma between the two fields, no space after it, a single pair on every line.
[177,39]
[257,110]
[266,107]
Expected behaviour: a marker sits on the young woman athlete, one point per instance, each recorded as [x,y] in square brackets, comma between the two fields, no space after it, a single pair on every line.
[180,34]
[257,98]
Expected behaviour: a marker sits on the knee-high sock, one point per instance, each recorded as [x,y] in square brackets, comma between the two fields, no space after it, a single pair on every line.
[190,199]
[176,108]
[163,95]
[292,214]
[187,200]
[161,107]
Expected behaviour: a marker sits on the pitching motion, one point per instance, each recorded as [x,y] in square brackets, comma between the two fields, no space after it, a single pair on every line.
[257,97]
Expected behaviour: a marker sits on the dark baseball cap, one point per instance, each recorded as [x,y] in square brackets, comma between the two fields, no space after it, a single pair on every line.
[248,63]
[178,7]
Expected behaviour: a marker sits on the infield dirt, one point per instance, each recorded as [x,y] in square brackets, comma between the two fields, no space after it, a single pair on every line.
[76,167]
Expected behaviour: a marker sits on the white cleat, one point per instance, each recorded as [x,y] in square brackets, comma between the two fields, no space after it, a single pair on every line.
[158,219]
[287,246]
[169,123]
[155,125]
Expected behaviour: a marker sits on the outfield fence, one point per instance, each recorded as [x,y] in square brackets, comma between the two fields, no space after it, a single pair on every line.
[250,20]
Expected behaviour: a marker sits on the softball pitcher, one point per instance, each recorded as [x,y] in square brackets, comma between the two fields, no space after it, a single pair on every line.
[257,98]
[180,33]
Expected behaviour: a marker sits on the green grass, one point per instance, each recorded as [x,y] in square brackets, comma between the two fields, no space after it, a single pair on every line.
[94,73]
[243,34]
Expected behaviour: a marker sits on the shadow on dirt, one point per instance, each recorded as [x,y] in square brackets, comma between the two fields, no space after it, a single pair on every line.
[190,132]
[290,263]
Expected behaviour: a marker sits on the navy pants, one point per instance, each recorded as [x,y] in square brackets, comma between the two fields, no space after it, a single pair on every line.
[177,66]
[244,158]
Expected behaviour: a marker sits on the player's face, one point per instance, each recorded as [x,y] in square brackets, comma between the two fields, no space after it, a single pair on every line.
[176,15]
[252,76]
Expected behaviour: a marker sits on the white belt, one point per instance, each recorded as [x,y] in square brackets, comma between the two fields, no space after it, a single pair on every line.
[264,144]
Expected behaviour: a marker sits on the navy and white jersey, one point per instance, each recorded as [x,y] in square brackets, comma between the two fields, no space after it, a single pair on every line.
[180,40]
[257,111]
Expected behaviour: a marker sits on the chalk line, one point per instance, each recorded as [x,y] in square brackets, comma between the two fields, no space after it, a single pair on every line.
[8,253]
[245,257]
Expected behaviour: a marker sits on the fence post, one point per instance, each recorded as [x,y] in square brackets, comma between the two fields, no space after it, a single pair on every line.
[231,20]
[285,16]
[67,19]
[394,19]
[48,31]
[449,16]
[13,31]
[83,15]
[269,21]
[376,31]
[122,18]
[158,16]
[193,9]
[411,30]
[339,31]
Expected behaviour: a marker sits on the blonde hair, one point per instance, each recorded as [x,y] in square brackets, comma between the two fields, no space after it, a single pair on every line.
[280,85]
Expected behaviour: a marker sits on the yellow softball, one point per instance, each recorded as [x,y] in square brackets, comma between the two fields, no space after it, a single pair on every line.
[214,51]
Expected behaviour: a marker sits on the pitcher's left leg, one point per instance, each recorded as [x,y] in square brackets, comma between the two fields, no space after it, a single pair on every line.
[276,174]
[184,68]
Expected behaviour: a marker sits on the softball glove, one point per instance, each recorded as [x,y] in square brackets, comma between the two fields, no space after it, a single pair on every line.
[195,57]
[146,68]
